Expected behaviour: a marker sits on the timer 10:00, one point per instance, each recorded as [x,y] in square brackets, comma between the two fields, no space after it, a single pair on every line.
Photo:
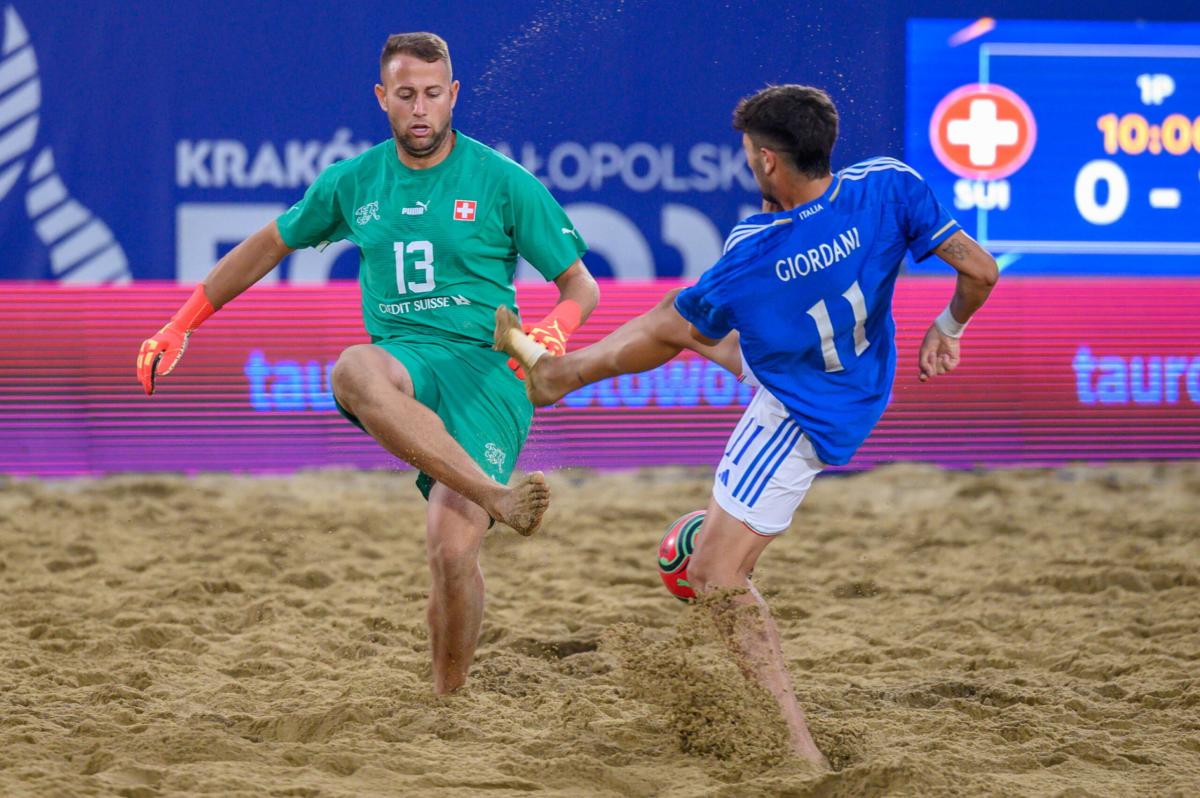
[1133,134]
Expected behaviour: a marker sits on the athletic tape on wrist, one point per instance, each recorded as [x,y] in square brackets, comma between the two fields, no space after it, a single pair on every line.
[948,325]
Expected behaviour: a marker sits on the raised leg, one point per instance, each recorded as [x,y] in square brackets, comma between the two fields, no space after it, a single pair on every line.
[640,344]
[376,388]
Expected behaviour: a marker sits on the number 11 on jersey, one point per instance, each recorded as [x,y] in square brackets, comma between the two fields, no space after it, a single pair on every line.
[423,263]
[820,315]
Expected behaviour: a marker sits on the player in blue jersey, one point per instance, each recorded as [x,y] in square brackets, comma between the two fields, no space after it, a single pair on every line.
[800,305]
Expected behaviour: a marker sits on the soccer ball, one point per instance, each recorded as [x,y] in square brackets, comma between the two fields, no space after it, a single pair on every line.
[675,552]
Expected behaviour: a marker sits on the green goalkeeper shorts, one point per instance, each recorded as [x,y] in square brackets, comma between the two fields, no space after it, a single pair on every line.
[474,393]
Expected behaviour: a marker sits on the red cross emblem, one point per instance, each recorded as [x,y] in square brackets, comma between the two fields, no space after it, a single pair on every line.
[982,132]
[464,210]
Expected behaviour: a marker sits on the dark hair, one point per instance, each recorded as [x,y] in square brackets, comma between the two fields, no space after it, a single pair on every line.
[429,47]
[799,122]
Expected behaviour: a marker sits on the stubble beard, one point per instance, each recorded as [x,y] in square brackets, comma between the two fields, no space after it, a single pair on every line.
[435,142]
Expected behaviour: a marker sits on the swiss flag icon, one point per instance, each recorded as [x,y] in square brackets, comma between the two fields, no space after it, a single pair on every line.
[464,210]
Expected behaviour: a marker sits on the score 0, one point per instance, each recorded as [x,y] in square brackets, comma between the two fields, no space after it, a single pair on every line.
[1155,88]
[1088,181]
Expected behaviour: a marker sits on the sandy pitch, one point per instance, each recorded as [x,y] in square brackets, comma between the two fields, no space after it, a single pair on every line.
[1031,633]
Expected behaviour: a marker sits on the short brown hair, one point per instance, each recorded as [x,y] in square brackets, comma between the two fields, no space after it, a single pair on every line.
[429,47]
[799,122]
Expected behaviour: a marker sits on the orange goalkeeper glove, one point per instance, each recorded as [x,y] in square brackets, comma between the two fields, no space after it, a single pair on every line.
[552,332]
[159,354]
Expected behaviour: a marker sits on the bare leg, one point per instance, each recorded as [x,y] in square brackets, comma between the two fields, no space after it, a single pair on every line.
[376,388]
[640,344]
[455,532]
[725,554]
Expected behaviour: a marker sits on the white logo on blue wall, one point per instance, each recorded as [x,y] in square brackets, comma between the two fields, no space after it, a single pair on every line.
[82,248]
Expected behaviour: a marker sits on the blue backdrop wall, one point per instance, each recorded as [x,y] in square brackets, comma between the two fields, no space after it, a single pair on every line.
[139,140]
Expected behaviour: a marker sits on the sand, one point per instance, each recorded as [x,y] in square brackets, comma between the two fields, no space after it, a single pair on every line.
[1024,633]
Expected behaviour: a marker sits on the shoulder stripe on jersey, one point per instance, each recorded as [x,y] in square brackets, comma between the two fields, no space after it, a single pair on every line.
[880,168]
[741,228]
[739,235]
[865,165]
[748,226]
[872,162]
[837,188]
[878,164]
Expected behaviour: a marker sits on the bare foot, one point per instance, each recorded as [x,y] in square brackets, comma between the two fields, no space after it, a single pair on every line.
[810,752]
[523,506]
[512,340]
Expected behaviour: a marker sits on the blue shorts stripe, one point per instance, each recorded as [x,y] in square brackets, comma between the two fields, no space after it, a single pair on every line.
[769,460]
[770,472]
[741,433]
[757,430]
[746,475]
[764,456]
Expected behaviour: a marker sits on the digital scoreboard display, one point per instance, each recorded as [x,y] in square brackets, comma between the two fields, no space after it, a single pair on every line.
[1064,147]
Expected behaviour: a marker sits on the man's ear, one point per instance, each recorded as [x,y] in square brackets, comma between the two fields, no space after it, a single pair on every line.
[769,160]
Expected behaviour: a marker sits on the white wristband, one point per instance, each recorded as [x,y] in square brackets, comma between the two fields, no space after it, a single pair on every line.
[949,326]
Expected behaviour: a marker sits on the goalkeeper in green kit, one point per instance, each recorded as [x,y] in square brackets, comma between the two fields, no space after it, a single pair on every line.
[439,220]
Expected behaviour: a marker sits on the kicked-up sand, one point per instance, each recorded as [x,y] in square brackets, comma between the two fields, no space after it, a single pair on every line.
[1003,633]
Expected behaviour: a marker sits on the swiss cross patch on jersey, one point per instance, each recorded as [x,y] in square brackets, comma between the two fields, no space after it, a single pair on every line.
[464,210]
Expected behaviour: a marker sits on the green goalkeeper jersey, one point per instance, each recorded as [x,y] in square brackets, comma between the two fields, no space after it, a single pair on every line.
[438,247]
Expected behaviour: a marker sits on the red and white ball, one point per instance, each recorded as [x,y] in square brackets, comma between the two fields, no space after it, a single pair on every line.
[675,552]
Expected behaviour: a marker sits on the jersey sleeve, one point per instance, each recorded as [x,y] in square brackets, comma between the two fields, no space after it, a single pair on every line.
[317,218]
[926,223]
[542,231]
[704,306]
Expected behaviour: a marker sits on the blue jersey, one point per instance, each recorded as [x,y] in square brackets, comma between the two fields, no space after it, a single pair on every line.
[810,292]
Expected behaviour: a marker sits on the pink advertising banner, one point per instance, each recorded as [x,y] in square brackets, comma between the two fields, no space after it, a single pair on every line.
[1054,371]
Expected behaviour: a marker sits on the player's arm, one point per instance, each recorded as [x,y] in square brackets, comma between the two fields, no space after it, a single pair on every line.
[768,206]
[578,296]
[245,265]
[577,285]
[977,274]
[242,267]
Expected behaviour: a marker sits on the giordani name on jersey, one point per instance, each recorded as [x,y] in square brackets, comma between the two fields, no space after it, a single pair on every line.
[819,257]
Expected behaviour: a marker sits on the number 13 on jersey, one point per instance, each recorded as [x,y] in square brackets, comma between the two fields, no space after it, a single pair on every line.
[421,262]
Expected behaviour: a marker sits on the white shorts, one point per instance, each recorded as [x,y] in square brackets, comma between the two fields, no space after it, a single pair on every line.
[768,466]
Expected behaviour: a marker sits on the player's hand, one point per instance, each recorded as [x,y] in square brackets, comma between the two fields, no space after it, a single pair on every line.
[551,332]
[159,354]
[939,354]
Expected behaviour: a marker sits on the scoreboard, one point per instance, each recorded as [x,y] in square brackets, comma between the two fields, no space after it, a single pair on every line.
[1063,147]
